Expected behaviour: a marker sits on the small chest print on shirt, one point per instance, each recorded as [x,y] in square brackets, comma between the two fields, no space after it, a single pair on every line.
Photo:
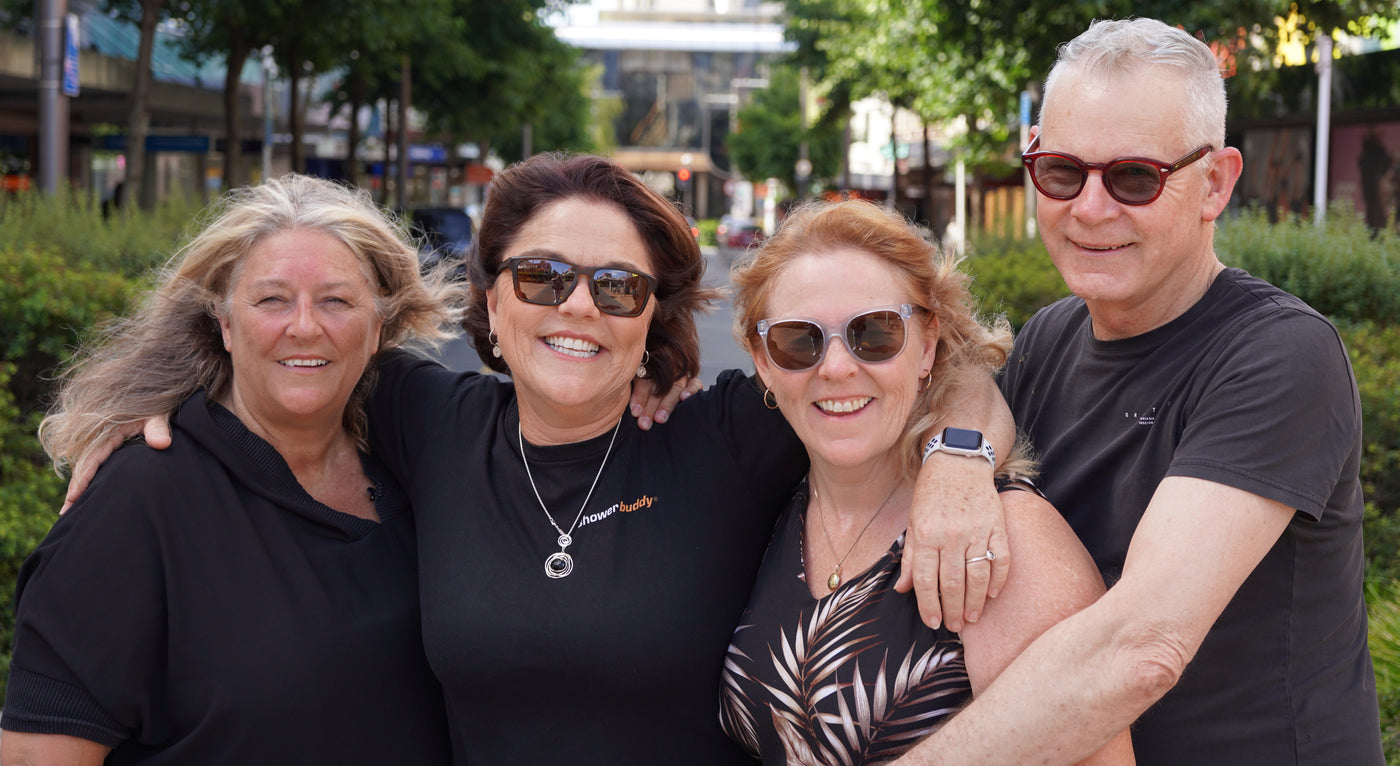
[1143,418]
[641,503]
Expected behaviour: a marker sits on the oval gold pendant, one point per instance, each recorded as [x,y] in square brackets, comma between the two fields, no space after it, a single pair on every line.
[833,581]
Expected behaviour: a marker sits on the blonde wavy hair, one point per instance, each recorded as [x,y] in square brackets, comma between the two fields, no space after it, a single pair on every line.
[968,347]
[149,361]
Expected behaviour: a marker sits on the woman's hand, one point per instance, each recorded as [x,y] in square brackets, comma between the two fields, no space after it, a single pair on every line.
[156,431]
[649,406]
[956,516]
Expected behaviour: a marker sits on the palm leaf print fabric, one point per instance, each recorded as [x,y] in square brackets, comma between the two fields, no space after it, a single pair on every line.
[851,678]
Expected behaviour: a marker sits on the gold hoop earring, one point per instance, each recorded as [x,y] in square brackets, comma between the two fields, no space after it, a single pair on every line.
[925,382]
[767,395]
[642,368]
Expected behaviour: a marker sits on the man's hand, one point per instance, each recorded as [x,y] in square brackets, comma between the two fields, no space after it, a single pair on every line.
[956,516]
[156,431]
[648,406]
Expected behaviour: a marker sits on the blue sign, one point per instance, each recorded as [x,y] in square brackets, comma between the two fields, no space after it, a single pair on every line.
[70,55]
[427,153]
[187,143]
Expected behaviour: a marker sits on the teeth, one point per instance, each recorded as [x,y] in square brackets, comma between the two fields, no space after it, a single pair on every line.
[305,362]
[572,346]
[843,405]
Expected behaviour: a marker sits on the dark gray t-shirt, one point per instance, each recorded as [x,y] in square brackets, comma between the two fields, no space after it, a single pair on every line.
[1252,389]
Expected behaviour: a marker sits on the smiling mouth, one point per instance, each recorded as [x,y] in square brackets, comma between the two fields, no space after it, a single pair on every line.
[843,406]
[575,347]
[304,362]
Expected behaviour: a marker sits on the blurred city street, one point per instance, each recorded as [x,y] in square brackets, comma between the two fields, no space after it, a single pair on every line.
[718,351]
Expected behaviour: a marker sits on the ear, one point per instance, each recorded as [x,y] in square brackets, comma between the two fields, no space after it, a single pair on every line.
[493,295]
[929,341]
[1225,168]
[762,367]
[224,331]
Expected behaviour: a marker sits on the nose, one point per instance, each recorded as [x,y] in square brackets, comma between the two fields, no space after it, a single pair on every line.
[1093,201]
[837,362]
[580,301]
[304,321]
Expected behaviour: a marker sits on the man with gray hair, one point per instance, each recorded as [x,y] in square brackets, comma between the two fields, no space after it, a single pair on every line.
[1201,431]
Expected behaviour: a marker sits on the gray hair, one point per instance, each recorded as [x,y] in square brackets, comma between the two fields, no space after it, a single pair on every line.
[1111,48]
[147,363]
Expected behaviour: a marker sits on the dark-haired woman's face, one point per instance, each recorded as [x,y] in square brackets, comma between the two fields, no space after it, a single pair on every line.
[572,362]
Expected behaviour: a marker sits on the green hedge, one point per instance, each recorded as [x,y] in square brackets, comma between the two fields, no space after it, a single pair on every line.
[46,306]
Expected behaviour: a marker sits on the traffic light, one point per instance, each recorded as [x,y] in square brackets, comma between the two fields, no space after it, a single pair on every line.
[683,178]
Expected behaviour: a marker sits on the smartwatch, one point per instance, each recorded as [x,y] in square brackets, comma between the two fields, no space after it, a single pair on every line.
[962,441]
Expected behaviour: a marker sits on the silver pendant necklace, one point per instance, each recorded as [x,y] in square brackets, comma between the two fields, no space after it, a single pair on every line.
[561,564]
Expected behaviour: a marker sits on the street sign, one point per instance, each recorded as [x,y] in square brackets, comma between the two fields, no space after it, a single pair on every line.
[71,42]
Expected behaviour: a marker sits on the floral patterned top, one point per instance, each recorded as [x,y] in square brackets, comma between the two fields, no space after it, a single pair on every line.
[854,677]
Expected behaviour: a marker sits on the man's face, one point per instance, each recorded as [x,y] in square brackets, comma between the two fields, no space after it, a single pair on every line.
[1137,266]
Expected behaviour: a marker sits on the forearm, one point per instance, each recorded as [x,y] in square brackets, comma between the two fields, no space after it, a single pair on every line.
[1068,695]
[975,402]
[19,748]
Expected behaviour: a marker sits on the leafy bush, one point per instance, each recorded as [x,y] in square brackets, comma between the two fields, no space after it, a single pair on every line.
[1343,270]
[1383,608]
[127,241]
[707,228]
[1013,277]
[46,306]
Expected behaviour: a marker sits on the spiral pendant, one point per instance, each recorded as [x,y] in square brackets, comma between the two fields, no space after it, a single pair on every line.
[559,565]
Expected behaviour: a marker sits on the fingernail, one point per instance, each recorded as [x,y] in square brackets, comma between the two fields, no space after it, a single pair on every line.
[972,616]
[662,415]
[686,394]
[636,410]
[644,422]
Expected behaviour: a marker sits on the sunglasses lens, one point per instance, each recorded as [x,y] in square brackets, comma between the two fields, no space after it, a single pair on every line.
[1133,182]
[795,345]
[542,281]
[877,336]
[1058,177]
[620,292]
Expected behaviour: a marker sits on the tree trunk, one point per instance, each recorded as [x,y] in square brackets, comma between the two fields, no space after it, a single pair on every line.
[138,189]
[297,116]
[233,124]
[355,90]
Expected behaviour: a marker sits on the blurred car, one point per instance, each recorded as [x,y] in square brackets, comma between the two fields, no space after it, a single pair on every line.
[444,236]
[735,235]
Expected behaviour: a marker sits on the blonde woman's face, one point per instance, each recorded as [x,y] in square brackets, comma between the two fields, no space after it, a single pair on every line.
[301,328]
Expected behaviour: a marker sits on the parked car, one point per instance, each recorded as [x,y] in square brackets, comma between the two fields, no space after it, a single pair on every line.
[444,235]
[735,235]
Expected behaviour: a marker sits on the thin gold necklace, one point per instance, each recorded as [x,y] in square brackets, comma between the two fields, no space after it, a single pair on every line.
[833,581]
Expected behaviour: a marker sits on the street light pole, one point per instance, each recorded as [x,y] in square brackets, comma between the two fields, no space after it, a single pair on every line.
[53,105]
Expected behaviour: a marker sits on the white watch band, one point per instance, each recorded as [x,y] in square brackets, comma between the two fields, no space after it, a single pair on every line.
[984,450]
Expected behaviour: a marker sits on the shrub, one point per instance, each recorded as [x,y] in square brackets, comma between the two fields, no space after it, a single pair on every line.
[1383,608]
[1013,277]
[1343,270]
[46,306]
[128,241]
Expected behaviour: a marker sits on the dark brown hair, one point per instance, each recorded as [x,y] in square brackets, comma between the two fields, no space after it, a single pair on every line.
[522,190]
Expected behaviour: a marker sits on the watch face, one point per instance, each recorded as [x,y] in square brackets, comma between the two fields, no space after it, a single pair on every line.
[962,438]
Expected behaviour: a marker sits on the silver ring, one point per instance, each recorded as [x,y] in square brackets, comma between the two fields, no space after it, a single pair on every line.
[988,557]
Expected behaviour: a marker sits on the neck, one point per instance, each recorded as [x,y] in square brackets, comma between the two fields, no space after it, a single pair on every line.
[853,496]
[546,425]
[307,447]
[1117,322]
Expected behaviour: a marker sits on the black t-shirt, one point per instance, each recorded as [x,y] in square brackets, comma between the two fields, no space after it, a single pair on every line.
[1252,389]
[198,607]
[619,662]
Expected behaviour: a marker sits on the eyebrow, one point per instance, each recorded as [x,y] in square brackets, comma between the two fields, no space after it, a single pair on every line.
[540,252]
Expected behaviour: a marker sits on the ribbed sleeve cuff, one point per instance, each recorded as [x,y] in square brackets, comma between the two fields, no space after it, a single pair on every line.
[37,704]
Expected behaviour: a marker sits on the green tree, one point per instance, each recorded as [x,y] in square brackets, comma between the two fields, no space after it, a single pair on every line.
[767,142]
